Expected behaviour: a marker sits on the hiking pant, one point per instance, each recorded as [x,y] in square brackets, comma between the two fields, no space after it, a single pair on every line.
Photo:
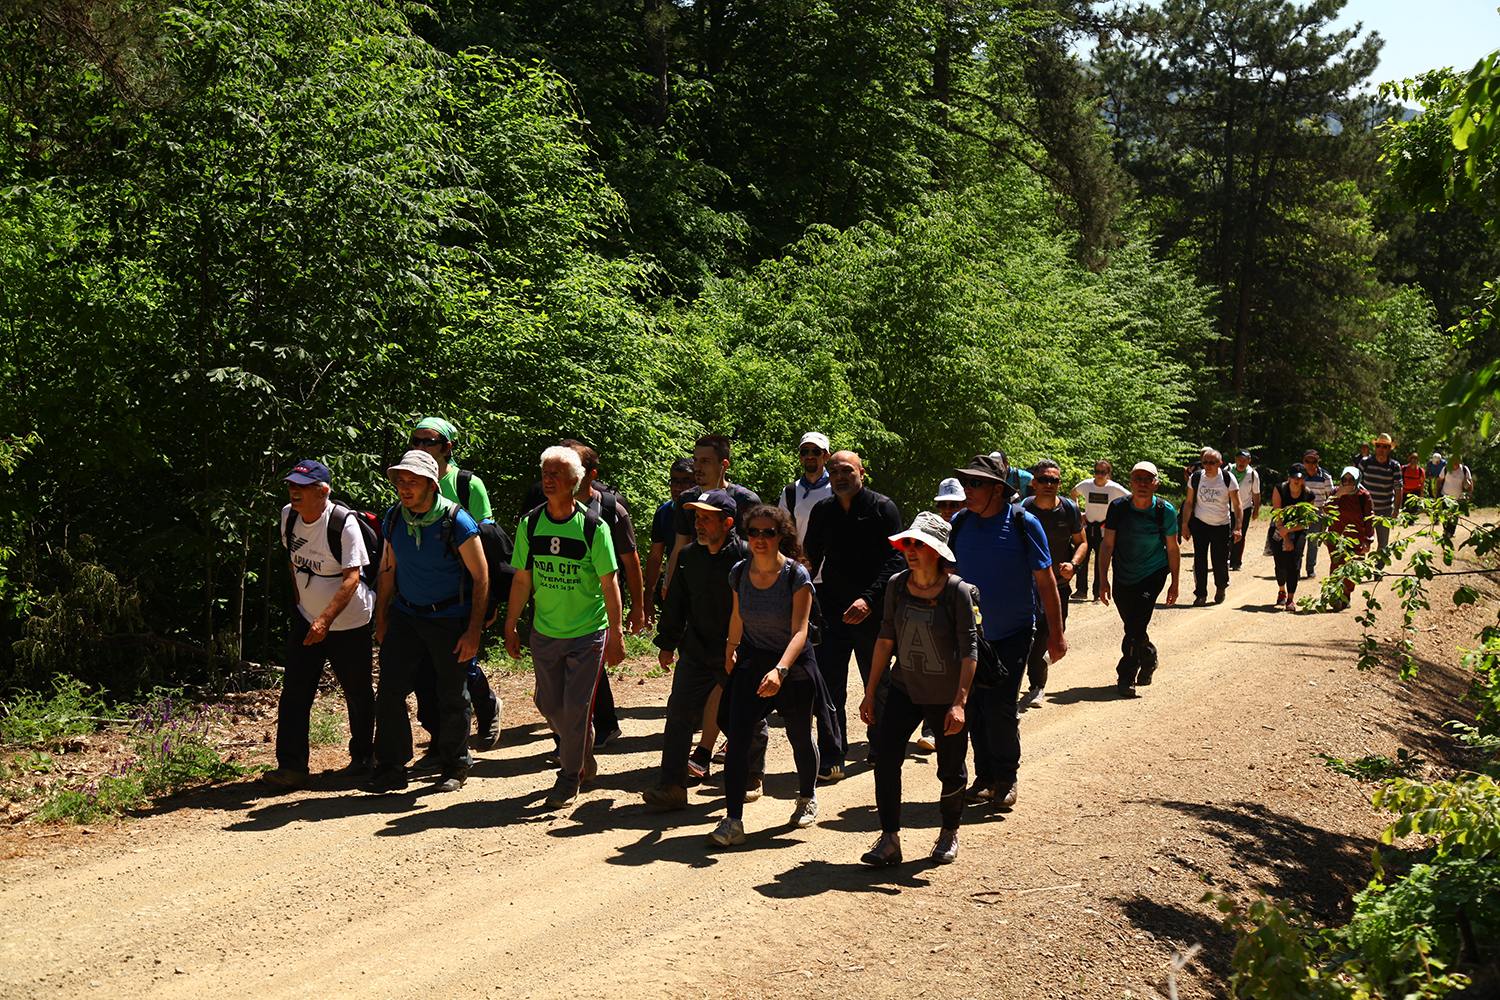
[993,728]
[1237,549]
[408,639]
[567,676]
[1094,532]
[896,726]
[605,719]
[747,726]
[1317,525]
[1210,539]
[1136,602]
[349,653]
[1036,664]
[692,682]
[1288,563]
[839,640]
[482,700]
[1382,540]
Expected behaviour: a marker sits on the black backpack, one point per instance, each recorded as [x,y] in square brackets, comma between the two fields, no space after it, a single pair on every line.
[369,529]
[591,522]
[497,545]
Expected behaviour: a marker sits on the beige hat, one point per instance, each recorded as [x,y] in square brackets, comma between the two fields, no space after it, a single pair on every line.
[1383,439]
[416,461]
[930,529]
[1146,467]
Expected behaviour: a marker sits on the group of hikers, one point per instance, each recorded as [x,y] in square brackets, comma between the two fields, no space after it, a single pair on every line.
[758,608]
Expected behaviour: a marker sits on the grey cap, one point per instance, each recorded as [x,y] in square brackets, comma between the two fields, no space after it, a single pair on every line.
[416,461]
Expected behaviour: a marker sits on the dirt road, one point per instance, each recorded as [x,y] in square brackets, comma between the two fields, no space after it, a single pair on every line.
[1128,812]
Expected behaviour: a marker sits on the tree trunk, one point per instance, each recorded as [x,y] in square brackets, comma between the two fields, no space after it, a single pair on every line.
[654,24]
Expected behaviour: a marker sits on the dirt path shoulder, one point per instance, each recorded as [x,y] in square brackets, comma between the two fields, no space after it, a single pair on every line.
[1128,812]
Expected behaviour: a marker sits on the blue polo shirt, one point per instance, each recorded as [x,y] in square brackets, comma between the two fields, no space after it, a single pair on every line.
[428,574]
[999,555]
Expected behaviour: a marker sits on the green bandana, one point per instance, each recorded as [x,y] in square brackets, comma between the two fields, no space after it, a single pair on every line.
[416,522]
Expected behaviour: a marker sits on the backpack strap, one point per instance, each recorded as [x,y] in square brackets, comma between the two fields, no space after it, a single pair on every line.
[1193,482]
[789,498]
[591,521]
[465,479]
[1159,508]
[338,515]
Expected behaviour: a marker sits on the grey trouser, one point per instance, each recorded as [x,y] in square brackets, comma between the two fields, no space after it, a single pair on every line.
[567,674]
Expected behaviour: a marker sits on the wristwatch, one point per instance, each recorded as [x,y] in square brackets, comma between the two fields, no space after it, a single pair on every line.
[782,671]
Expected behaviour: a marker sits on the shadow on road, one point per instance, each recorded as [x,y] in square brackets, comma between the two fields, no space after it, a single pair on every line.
[813,878]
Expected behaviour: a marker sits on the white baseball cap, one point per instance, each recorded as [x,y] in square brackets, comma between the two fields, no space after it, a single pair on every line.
[813,437]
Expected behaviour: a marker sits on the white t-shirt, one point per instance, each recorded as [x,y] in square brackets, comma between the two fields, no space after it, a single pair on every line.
[1455,480]
[319,574]
[802,509]
[1097,498]
[1249,486]
[1211,503]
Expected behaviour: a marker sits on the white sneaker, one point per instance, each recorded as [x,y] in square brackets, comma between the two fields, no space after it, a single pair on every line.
[1035,697]
[729,833]
[805,813]
[926,744]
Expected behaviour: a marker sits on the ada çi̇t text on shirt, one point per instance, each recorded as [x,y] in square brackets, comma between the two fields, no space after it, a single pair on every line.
[565,572]
[319,575]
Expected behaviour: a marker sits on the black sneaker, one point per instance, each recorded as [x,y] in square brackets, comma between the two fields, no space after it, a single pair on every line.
[1200,602]
[430,762]
[488,736]
[1219,596]
[698,764]
[386,779]
[358,767]
[453,780]
[1125,689]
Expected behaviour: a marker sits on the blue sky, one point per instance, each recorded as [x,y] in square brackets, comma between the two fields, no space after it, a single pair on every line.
[1426,34]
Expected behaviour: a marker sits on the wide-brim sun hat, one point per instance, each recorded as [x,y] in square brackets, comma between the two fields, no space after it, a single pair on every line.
[984,467]
[930,529]
[1384,439]
[417,462]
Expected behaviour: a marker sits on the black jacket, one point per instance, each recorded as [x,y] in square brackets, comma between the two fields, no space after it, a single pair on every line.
[695,616]
[853,550]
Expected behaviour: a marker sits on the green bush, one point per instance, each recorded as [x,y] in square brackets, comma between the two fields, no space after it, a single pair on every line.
[171,743]
[34,720]
[102,799]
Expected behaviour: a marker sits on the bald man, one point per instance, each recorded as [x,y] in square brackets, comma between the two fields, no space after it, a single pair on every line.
[848,542]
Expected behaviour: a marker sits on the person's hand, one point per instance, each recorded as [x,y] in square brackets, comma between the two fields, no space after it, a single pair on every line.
[769,684]
[730,655]
[468,645]
[635,622]
[1065,570]
[379,629]
[614,647]
[665,658]
[857,612]
[1187,535]
[1057,646]
[953,722]
[1236,533]
[1172,593]
[512,642]
[493,617]
[1104,592]
[316,632]
[867,710]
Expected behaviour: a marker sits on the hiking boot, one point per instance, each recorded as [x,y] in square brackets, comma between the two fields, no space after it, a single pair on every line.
[386,779]
[979,793]
[1125,689]
[698,764]
[453,780]
[729,833]
[832,774]
[430,762]
[666,796]
[1291,602]
[488,736]
[564,793]
[804,813]
[1200,602]
[1144,675]
[285,777]
[1219,595]
[1005,794]
[886,852]
[1035,697]
[945,851]
[754,790]
[357,767]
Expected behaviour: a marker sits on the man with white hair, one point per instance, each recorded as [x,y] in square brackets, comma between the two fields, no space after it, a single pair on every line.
[431,602]
[1211,512]
[568,565]
[331,623]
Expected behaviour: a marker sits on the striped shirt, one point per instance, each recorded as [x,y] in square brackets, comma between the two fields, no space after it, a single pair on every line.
[1382,480]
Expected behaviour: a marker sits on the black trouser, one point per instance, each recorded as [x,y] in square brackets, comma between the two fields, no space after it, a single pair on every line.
[692,683]
[1210,539]
[993,728]
[1094,532]
[1289,563]
[430,716]
[605,719]
[747,730]
[349,653]
[1036,667]
[1136,602]
[1237,549]
[839,640]
[900,720]
[408,637]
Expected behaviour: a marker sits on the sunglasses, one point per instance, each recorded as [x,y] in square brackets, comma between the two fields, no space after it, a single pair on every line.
[431,442]
[974,482]
[1143,480]
[810,449]
[913,543]
[762,532]
[683,482]
[1046,481]
[1210,461]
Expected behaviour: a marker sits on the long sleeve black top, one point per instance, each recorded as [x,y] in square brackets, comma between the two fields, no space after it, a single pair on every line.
[852,549]
[695,615]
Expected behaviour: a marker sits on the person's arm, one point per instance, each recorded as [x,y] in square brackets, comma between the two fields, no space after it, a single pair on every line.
[801,611]
[520,593]
[895,562]
[1187,514]
[1046,586]
[614,638]
[385,589]
[677,543]
[1255,500]
[472,552]
[1080,542]
[672,625]
[1234,515]
[736,629]
[654,556]
[1106,553]
[630,562]
[1281,529]
[878,662]
[1174,566]
[317,631]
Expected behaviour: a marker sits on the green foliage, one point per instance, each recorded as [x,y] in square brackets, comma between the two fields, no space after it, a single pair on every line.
[34,720]
[102,799]
[1461,816]
[325,728]
[1376,767]
[171,739]
[1276,956]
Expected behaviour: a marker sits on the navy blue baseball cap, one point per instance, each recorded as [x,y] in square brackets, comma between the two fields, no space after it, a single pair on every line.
[714,500]
[309,471]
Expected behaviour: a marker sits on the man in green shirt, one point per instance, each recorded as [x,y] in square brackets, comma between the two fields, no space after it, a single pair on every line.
[437,436]
[565,560]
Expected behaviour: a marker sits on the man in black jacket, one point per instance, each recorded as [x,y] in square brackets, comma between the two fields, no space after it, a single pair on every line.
[695,622]
[848,542]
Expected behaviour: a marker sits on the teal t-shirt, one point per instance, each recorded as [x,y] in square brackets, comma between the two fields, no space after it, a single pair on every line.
[1140,542]
[565,573]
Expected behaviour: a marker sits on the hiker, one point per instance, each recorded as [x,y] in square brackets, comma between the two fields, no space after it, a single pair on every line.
[1140,545]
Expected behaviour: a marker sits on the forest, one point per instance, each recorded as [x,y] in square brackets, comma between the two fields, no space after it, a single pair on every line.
[238,233]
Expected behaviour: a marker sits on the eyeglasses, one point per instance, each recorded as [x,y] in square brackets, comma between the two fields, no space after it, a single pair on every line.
[946,504]
[762,532]
[974,483]
[809,449]
[1045,481]
[684,483]
[425,442]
